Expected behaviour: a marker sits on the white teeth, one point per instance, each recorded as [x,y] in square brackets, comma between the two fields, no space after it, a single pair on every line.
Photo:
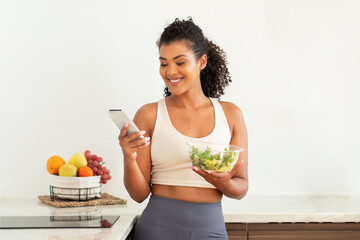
[175,80]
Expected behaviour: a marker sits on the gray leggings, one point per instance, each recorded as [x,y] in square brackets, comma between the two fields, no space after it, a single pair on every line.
[166,218]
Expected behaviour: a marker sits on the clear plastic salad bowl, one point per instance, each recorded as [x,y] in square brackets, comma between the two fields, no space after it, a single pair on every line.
[214,157]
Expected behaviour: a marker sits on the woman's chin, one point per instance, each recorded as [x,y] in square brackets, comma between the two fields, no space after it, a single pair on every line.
[175,91]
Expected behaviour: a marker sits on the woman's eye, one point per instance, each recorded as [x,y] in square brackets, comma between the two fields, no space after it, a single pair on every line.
[164,65]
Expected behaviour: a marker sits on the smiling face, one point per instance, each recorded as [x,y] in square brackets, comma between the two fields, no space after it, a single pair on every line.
[179,67]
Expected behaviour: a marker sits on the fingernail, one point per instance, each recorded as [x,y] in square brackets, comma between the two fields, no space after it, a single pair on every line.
[147,139]
[126,125]
[208,171]
[142,132]
[195,168]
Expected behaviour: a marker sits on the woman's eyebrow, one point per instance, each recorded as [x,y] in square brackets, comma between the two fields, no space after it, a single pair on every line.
[182,55]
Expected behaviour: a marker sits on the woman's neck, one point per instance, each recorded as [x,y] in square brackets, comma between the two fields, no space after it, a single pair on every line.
[188,101]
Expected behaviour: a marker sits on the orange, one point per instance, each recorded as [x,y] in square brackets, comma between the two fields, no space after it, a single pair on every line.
[54,163]
[85,171]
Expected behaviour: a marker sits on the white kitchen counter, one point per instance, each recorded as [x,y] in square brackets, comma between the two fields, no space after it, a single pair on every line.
[251,209]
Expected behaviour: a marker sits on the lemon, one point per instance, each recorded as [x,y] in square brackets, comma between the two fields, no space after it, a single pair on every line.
[78,160]
[67,170]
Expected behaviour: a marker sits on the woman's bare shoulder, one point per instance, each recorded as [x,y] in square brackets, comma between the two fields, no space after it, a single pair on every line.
[145,117]
[147,108]
[231,109]
[236,123]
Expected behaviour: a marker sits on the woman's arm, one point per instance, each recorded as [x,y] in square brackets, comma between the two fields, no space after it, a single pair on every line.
[137,163]
[233,184]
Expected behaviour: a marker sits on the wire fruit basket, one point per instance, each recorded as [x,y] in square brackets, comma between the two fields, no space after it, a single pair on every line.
[74,188]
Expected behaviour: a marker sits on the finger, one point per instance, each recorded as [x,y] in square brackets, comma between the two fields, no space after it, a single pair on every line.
[209,178]
[215,174]
[129,142]
[124,130]
[133,136]
[139,142]
[203,172]
[142,146]
[198,171]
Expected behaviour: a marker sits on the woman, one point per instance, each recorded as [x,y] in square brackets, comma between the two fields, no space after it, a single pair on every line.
[185,201]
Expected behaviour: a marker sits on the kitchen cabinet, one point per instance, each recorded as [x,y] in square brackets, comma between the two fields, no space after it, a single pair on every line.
[293,231]
[297,231]
[236,231]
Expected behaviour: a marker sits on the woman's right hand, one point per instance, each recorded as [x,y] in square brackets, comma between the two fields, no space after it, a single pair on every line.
[129,145]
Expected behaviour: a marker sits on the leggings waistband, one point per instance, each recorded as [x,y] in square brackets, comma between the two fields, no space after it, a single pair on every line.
[185,214]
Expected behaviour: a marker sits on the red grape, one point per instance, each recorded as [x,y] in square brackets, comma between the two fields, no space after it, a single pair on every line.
[96,163]
[87,154]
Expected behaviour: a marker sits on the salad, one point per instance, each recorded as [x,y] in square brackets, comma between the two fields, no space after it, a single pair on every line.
[206,160]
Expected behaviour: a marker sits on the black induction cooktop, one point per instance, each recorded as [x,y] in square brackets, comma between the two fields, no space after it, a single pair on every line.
[19,222]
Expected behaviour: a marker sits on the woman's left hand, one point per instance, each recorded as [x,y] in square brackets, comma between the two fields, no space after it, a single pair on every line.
[216,178]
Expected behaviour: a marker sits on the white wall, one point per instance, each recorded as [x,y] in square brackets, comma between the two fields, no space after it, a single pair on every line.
[294,65]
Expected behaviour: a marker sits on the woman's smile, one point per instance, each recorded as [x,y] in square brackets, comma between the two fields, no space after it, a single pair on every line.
[175,81]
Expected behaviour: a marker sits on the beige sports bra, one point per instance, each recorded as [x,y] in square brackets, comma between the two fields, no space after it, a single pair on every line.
[170,153]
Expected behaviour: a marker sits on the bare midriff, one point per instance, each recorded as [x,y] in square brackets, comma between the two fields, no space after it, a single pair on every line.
[191,194]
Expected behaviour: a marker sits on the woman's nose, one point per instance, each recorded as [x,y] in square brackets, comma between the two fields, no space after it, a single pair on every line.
[172,70]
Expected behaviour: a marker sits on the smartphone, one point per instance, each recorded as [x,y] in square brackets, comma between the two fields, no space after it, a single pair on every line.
[120,119]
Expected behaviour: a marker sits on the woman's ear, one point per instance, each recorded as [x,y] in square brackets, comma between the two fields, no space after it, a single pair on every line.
[203,61]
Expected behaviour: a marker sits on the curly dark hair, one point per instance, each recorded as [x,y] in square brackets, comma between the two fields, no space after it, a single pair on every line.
[215,76]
